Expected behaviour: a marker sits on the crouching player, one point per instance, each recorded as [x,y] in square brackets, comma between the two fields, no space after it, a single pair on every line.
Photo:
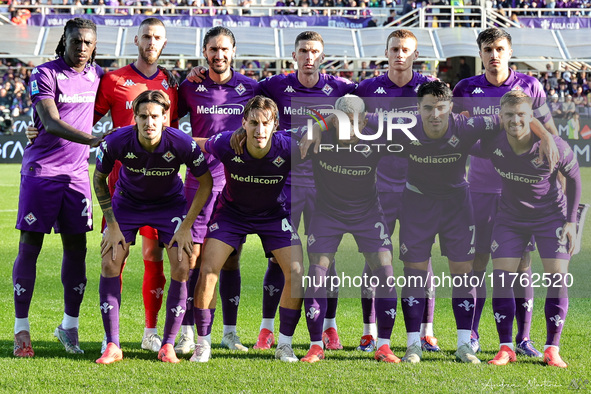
[531,204]
[249,204]
[149,192]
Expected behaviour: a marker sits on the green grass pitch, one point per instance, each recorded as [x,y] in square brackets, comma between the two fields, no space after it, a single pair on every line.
[52,370]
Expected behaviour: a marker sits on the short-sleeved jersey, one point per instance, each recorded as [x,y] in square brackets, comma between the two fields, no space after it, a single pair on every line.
[150,177]
[382,95]
[120,87]
[479,97]
[346,179]
[253,186]
[438,167]
[294,101]
[214,108]
[74,95]
[530,190]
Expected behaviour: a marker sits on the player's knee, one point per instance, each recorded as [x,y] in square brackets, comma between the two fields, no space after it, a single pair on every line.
[525,262]
[74,241]
[481,261]
[232,264]
[109,267]
[32,238]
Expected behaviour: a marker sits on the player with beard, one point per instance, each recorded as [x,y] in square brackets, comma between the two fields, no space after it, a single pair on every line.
[55,189]
[116,92]
[216,104]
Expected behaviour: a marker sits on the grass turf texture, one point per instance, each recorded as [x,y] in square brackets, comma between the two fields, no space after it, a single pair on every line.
[52,370]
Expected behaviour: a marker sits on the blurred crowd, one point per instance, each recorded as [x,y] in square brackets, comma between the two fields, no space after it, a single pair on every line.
[14,95]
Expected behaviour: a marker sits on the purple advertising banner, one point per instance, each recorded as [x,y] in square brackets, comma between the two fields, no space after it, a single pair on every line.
[276,21]
[559,23]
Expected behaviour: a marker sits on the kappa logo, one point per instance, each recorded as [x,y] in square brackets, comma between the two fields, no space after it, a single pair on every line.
[177,310]
[472,250]
[289,89]
[240,89]
[271,289]
[199,160]
[386,242]
[403,249]
[466,305]
[537,162]
[193,146]
[165,84]
[478,91]
[327,89]
[168,156]
[159,292]
[278,161]
[416,143]
[214,227]
[80,288]
[312,313]
[18,289]
[311,239]
[129,82]
[380,90]
[498,153]
[561,249]
[391,313]
[558,321]
[30,218]
[237,159]
[201,88]
[494,246]
[470,122]
[130,155]
[411,301]
[499,317]
[61,77]
[35,71]
[106,307]
[453,141]
[235,300]
[528,305]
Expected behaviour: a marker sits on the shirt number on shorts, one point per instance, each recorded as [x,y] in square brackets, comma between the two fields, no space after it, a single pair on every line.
[86,209]
[473,230]
[382,228]
[178,222]
[286,226]
[559,231]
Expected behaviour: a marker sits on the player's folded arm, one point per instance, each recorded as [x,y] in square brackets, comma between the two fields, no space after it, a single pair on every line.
[50,117]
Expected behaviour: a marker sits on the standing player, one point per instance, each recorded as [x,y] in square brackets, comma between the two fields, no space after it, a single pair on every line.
[215,104]
[532,204]
[116,92]
[481,95]
[148,192]
[294,93]
[56,166]
[390,92]
[249,203]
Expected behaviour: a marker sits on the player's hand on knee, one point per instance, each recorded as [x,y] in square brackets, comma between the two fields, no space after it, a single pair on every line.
[197,74]
[111,240]
[184,241]
[31,133]
[569,234]
[237,141]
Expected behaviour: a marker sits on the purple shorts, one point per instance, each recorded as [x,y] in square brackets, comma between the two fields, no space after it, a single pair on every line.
[485,206]
[391,203]
[371,233]
[43,204]
[511,237]
[276,232]
[423,217]
[131,215]
[199,228]
[300,200]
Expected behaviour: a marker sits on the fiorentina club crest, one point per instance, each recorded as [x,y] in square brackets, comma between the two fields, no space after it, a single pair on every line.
[165,84]
[278,161]
[168,156]
[240,89]
[453,141]
[327,89]
[537,162]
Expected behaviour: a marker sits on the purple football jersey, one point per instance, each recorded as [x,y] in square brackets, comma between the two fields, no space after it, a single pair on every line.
[150,178]
[253,186]
[479,97]
[214,108]
[294,100]
[382,95]
[438,167]
[74,94]
[530,190]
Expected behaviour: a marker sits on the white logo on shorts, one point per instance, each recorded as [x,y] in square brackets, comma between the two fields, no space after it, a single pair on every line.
[214,227]
[30,218]
[494,246]
[403,249]
[311,239]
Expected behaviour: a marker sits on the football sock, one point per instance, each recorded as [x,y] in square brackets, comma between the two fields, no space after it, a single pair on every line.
[229,329]
[556,308]
[332,294]
[176,302]
[23,278]
[429,296]
[204,338]
[503,304]
[110,300]
[273,283]
[269,324]
[203,320]
[319,343]
[463,302]
[480,301]
[21,324]
[188,330]
[370,329]
[463,337]
[329,323]
[73,280]
[284,339]
[69,322]
[382,342]
[524,304]
[189,319]
[150,331]
[412,338]
[153,290]
[508,344]
[385,301]
[427,330]
[229,286]
[315,301]
[547,346]
[413,299]
[288,320]
[367,298]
